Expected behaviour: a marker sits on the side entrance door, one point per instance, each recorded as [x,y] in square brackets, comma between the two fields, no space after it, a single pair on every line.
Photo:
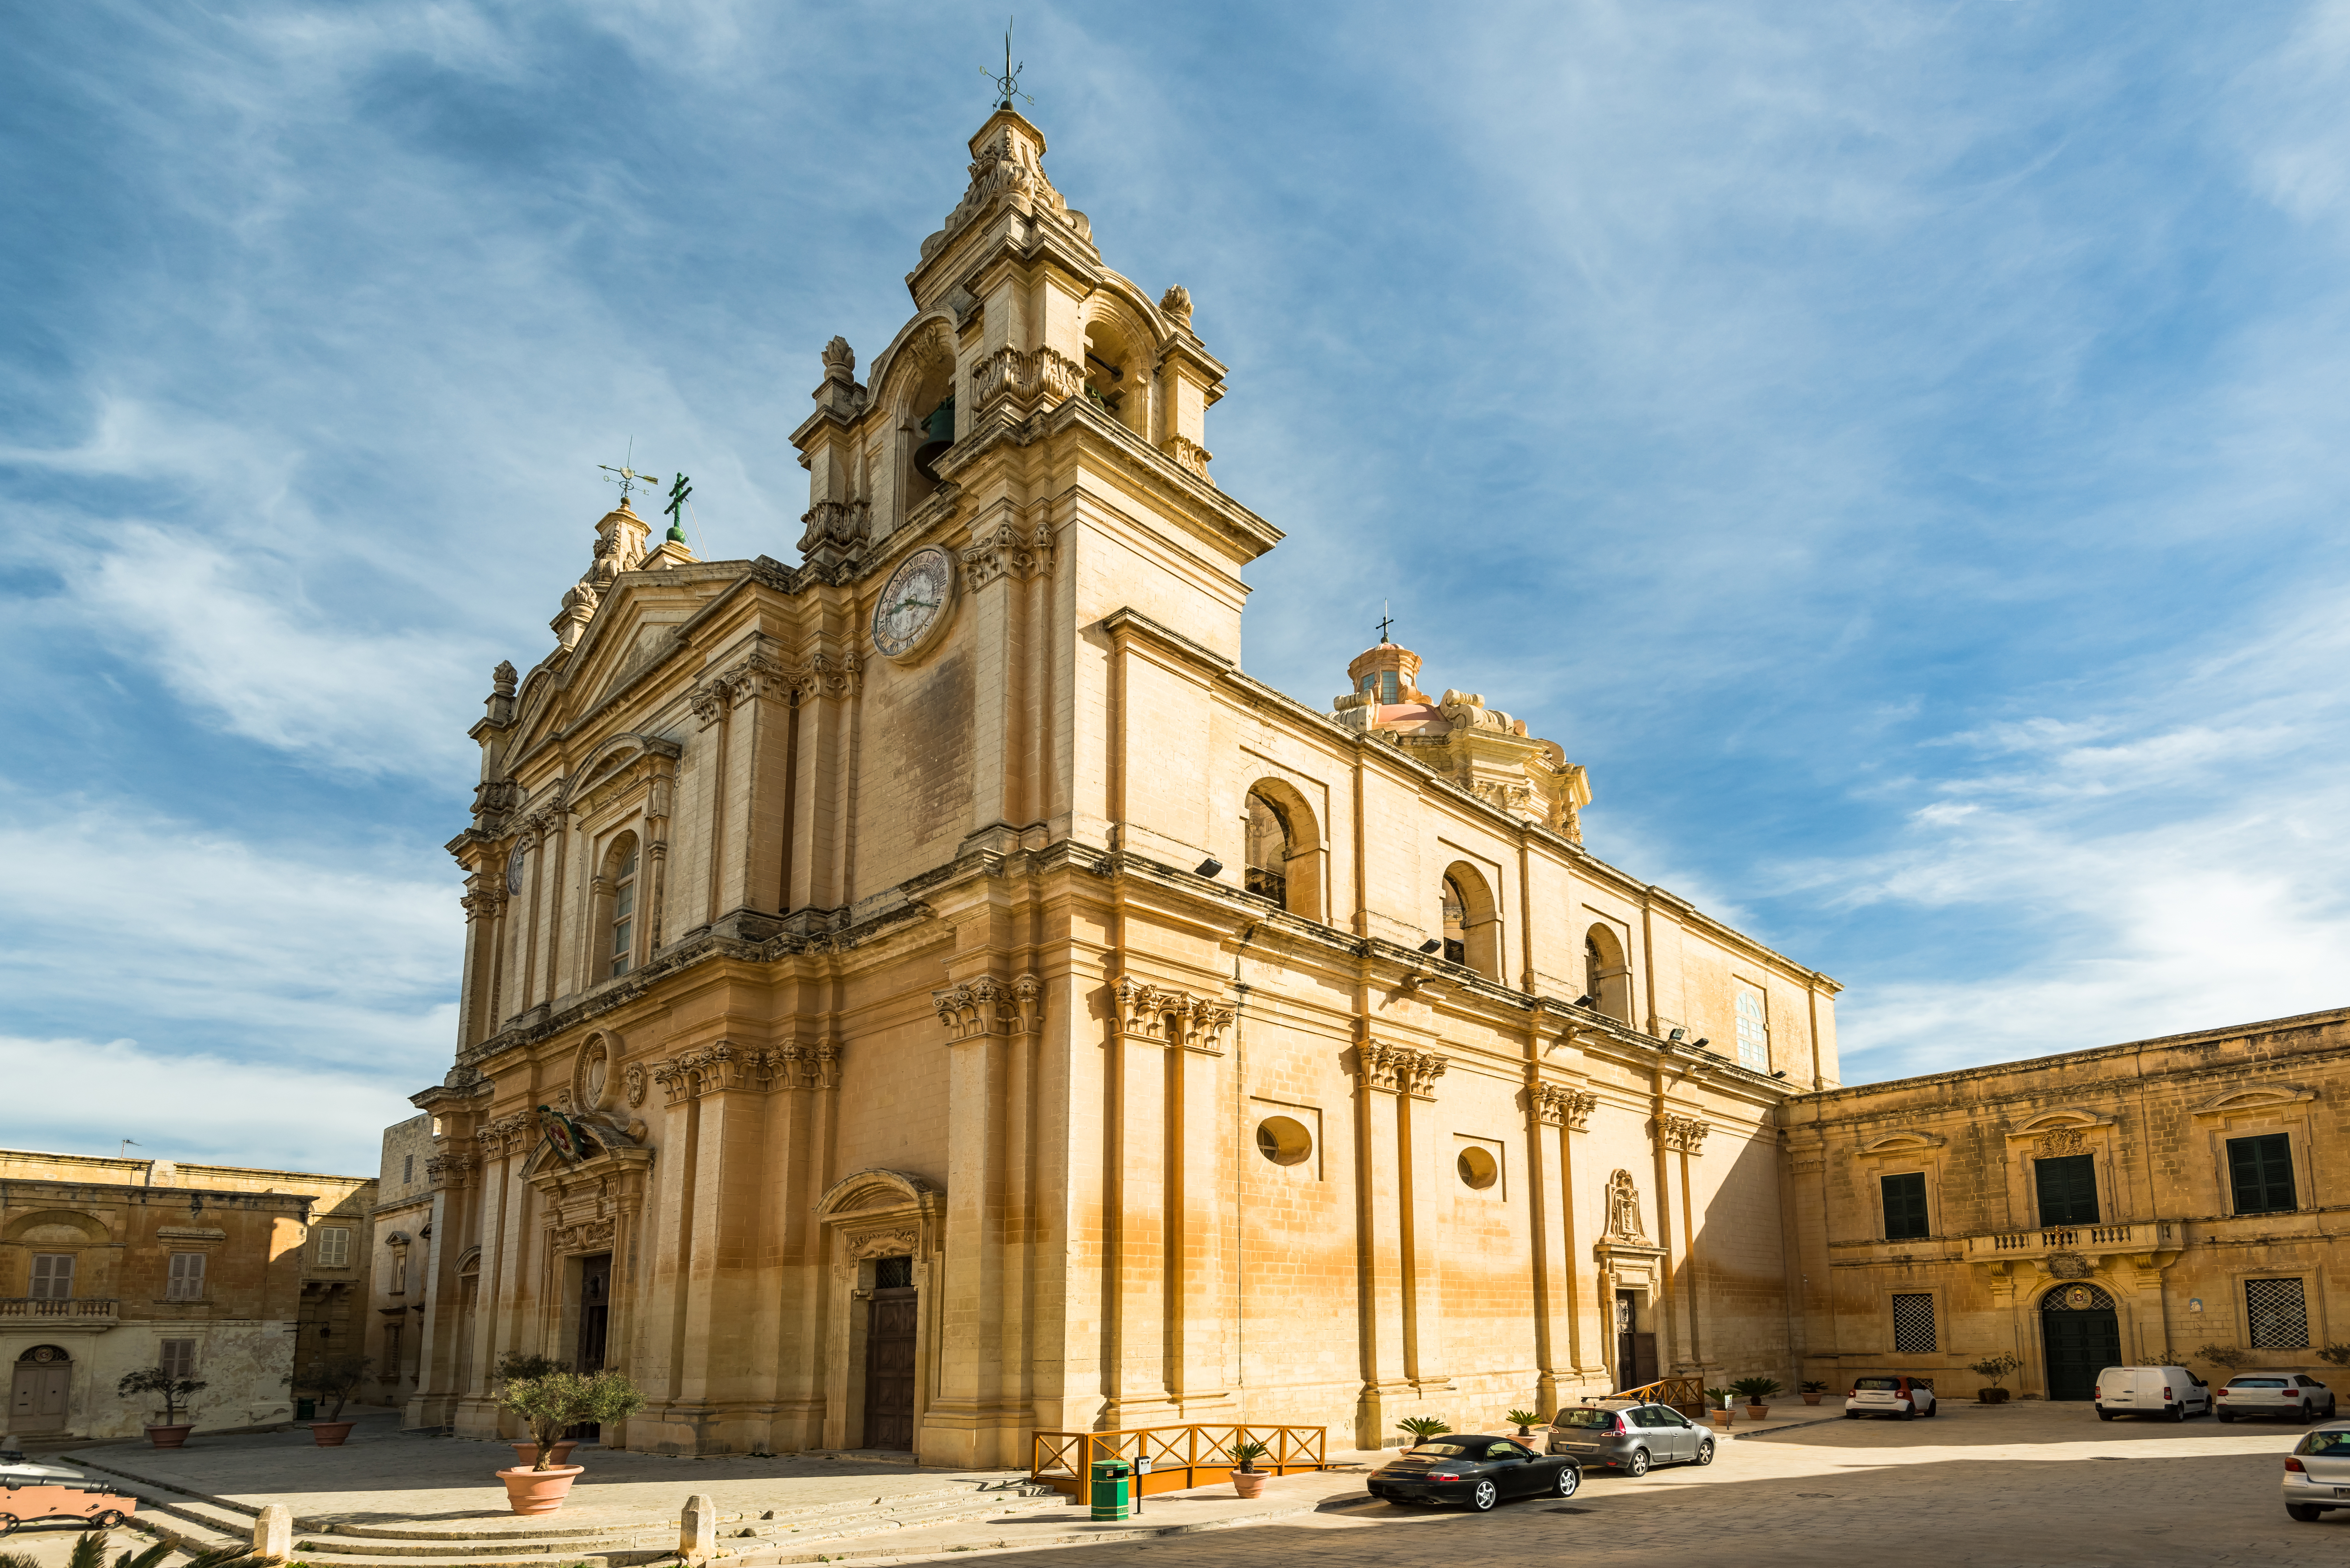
[594,1321]
[37,1401]
[890,1368]
[1635,1353]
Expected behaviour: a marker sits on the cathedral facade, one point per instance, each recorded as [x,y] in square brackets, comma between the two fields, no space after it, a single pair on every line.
[931,994]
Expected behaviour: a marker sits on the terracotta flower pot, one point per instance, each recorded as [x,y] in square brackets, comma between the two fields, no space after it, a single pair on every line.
[169,1437]
[1811,1398]
[1722,1417]
[1250,1483]
[538,1491]
[330,1434]
[1758,1412]
[1992,1396]
[526,1454]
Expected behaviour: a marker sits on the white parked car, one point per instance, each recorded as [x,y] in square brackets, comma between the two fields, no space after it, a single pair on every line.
[2290,1395]
[2172,1393]
[2317,1472]
[1904,1397]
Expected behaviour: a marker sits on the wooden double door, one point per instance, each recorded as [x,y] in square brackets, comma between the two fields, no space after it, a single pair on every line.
[37,1394]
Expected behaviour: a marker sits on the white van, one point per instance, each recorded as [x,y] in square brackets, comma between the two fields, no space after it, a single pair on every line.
[2172,1393]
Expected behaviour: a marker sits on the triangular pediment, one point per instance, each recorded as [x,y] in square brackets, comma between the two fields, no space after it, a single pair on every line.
[2255,1098]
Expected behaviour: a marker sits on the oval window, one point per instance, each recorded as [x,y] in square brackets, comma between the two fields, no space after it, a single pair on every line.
[1478,1168]
[1283,1141]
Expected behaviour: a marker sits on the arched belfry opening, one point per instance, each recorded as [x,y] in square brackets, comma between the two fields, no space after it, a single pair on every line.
[1117,373]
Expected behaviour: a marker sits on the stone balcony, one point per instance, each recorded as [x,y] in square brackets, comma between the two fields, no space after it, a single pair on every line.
[2092,1241]
[78,1315]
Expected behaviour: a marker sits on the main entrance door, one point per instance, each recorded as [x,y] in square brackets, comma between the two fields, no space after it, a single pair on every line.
[2082,1335]
[36,1399]
[890,1357]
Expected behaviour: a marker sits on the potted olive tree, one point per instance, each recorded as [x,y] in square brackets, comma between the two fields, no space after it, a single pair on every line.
[1247,1479]
[549,1404]
[171,1432]
[1994,1371]
[331,1380]
[1758,1392]
[516,1364]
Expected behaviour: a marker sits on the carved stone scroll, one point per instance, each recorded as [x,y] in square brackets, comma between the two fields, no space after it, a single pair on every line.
[1555,1104]
[1683,1133]
[987,1006]
[1172,1017]
[1398,1070]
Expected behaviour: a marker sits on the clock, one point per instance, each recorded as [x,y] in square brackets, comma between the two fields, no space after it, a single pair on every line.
[914,605]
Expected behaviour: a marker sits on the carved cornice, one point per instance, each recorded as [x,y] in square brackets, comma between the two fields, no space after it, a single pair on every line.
[508,1134]
[454,1172]
[1555,1104]
[761,677]
[1188,454]
[1172,1017]
[1683,1133]
[583,1236]
[1008,552]
[761,1069]
[1398,1070]
[987,1006]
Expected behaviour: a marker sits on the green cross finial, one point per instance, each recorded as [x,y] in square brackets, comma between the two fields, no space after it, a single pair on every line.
[677,495]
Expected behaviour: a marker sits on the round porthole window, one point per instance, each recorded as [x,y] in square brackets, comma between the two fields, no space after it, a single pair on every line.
[1478,1168]
[1283,1141]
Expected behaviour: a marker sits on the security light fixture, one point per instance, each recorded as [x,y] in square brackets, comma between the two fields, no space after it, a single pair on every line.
[1780,1074]
[1678,1035]
[1584,1001]
[1210,868]
[1701,1042]
[1431,944]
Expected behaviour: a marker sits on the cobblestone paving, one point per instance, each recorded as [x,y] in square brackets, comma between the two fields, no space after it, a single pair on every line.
[2018,1486]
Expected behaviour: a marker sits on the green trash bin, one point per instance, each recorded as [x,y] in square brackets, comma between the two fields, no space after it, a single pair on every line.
[305,1409]
[1113,1489]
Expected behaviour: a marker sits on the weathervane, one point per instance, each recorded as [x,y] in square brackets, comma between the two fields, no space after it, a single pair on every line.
[626,477]
[677,495]
[1007,85]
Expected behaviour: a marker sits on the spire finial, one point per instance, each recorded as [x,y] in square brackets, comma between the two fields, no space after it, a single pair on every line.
[1007,83]
[1386,620]
[676,507]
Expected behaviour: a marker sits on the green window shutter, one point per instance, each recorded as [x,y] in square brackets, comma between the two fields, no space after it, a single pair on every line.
[2067,1189]
[2260,1170]
[1905,1207]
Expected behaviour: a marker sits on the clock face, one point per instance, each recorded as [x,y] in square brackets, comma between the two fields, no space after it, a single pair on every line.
[913,605]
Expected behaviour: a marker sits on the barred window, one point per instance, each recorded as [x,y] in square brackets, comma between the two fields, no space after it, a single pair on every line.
[2277,1314]
[892,1273]
[178,1358]
[1913,1325]
[187,1281]
[2259,1171]
[1905,1207]
[333,1248]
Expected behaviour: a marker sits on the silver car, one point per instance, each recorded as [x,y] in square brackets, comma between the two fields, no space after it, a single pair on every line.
[2317,1472]
[1629,1435]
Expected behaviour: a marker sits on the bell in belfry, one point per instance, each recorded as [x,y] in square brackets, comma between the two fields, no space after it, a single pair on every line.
[937,435]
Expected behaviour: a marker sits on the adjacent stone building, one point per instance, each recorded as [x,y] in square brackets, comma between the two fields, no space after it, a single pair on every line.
[2131,1204]
[400,1231]
[932,993]
[219,1273]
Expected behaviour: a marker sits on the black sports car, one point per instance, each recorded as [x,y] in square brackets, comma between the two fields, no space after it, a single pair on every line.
[1479,1471]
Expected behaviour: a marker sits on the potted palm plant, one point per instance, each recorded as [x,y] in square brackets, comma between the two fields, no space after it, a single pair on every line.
[1717,1405]
[1524,1420]
[1247,1479]
[1811,1392]
[171,1432]
[331,1380]
[549,1404]
[1994,1370]
[1422,1428]
[1758,1392]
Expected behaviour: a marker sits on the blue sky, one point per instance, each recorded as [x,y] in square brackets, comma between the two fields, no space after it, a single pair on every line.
[1899,449]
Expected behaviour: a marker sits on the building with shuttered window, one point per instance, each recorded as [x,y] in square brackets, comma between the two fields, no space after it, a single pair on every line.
[2135,1204]
[225,1274]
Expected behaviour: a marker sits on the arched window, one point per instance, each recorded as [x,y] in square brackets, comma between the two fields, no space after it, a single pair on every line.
[1383,685]
[618,893]
[1606,979]
[1268,850]
[1283,848]
[1473,924]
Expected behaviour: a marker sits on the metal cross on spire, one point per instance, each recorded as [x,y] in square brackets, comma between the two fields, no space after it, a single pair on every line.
[1386,620]
[1007,82]
[677,498]
[628,478]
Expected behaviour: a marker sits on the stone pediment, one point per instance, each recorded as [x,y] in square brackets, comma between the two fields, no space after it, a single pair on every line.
[2256,1098]
[1907,1141]
[2070,1119]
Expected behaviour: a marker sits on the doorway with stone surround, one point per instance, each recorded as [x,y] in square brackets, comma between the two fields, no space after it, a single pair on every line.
[2081,1332]
[40,1392]
[893,1325]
